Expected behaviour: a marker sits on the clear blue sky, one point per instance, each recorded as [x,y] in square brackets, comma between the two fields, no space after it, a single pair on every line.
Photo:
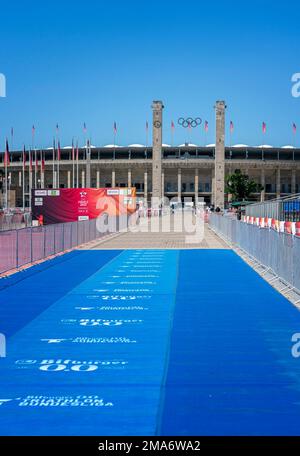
[99,62]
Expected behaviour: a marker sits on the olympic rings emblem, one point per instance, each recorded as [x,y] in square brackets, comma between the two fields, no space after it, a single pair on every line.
[189,122]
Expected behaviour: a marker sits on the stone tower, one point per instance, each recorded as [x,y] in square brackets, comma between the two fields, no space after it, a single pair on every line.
[219,181]
[157,108]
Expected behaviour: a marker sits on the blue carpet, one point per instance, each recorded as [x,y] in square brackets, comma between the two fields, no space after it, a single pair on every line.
[147,343]
[231,371]
[24,295]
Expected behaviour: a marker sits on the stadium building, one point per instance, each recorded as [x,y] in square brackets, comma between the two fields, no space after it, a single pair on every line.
[187,170]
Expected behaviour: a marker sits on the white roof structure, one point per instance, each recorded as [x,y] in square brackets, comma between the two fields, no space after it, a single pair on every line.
[188,145]
[166,145]
[136,145]
[111,146]
[240,145]
[210,145]
[287,147]
[265,146]
[67,147]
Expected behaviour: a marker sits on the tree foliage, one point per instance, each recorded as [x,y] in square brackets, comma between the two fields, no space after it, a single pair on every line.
[240,186]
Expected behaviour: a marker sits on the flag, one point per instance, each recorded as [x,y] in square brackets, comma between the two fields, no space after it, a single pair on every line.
[36,160]
[147,126]
[115,128]
[77,151]
[206,126]
[294,128]
[6,154]
[84,128]
[73,151]
[33,130]
[172,125]
[58,151]
[264,127]
[12,132]
[231,127]
[24,157]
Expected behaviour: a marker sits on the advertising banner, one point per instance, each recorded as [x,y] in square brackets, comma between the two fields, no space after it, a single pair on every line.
[78,204]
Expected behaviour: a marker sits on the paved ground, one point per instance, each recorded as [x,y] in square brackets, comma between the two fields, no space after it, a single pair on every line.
[154,234]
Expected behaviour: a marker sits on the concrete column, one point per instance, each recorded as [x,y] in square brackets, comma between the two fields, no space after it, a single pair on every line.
[213,185]
[98,179]
[278,182]
[196,186]
[146,185]
[263,184]
[20,178]
[113,178]
[163,184]
[42,179]
[88,167]
[129,180]
[220,154]
[157,108]
[293,181]
[82,179]
[69,179]
[179,185]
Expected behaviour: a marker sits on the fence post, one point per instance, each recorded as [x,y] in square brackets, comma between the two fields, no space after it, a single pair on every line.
[44,231]
[31,252]
[17,249]
[63,237]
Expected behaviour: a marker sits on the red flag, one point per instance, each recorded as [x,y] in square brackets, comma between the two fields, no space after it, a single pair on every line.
[264,127]
[231,127]
[58,151]
[206,126]
[294,128]
[6,155]
[30,160]
[24,157]
[172,125]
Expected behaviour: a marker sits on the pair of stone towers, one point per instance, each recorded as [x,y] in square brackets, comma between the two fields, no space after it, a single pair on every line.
[219,178]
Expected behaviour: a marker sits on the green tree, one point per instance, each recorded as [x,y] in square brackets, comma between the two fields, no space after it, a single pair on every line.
[240,186]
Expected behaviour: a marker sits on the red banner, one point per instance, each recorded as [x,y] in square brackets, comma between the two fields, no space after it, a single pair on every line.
[76,204]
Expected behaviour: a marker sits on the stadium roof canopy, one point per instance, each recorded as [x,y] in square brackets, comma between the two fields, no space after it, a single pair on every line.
[136,145]
[111,146]
[187,145]
[265,146]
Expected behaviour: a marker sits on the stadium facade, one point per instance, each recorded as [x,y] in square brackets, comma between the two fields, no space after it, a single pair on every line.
[177,172]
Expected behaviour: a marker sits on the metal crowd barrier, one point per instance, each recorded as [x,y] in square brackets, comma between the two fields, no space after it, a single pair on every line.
[278,251]
[284,209]
[24,246]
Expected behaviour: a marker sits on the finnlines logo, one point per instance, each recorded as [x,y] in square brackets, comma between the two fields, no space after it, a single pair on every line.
[99,322]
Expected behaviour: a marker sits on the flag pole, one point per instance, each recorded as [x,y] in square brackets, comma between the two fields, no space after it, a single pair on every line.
[30,177]
[53,165]
[77,165]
